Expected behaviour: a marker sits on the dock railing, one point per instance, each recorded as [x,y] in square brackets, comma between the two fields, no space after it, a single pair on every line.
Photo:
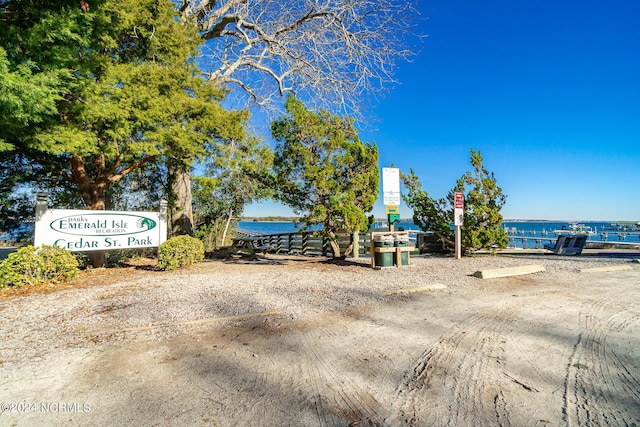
[314,243]
[539,242]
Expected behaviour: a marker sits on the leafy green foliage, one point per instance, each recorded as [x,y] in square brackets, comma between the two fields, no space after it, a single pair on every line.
[323,171]
[235,174]
[180,251]
[26,97]
[120,90]
[31,266]
[431,214]
[15,212]
[483,202]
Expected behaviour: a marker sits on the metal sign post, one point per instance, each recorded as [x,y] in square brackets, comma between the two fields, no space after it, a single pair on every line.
[458,220]
[393,215]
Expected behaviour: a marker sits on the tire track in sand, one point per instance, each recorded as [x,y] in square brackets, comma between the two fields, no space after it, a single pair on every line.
[602,385]
[337,397]
[463,370]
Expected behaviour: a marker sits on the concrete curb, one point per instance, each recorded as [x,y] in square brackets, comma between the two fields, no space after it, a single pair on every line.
[509,271]
[605,269]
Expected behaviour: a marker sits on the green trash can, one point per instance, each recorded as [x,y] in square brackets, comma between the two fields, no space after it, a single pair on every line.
[402,241]
[383,259]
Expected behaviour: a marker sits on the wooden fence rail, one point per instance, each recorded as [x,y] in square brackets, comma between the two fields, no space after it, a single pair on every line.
[313,243]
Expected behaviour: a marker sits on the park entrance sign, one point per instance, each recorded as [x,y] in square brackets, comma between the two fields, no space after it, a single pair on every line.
[84,230]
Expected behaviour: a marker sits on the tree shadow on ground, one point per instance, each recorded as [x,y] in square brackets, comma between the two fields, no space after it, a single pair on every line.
[344,263]
[241,258]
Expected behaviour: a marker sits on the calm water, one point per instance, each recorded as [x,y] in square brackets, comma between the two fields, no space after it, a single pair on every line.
[24,229]
[270,227]
[535,234]
[528,234]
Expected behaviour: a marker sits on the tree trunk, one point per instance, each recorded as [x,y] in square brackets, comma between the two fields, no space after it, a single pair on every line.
[96,202]
[335,246]
[91,191]
[348,251]
[181,211]
[93,195]
[226,227]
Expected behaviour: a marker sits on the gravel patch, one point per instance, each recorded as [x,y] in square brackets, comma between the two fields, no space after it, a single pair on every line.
[76,319]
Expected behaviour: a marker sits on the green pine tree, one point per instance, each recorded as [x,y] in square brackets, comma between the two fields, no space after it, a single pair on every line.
[482,227]
[121,90]
[324,172]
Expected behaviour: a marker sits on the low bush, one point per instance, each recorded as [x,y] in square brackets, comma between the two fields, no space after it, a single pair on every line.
[180,251]
[124,257]
[31,266]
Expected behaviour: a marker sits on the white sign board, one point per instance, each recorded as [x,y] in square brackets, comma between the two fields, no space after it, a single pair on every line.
[83,230]
[458,209]
[391,186]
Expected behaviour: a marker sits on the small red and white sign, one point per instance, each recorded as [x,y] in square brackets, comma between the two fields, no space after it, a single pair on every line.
[458,209]
[459,200]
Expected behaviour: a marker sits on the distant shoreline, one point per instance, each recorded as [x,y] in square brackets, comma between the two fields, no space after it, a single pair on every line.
[271,219]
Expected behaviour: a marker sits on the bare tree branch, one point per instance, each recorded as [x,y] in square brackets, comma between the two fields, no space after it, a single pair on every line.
[131,168]
[335,53]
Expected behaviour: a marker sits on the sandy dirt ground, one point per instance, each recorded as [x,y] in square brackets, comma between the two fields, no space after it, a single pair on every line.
[518,351]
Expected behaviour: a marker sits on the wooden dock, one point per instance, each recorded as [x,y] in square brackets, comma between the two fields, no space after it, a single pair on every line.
[540,241]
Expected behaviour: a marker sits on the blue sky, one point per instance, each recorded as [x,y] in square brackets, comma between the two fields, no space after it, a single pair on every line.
[547,91]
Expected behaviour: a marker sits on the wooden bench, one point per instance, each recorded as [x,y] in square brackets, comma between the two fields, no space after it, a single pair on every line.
[568,244]
[262,249]
[249,245]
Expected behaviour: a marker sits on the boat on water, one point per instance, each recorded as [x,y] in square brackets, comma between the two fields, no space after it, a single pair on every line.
[379,225]
[628,226]
[575,228]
